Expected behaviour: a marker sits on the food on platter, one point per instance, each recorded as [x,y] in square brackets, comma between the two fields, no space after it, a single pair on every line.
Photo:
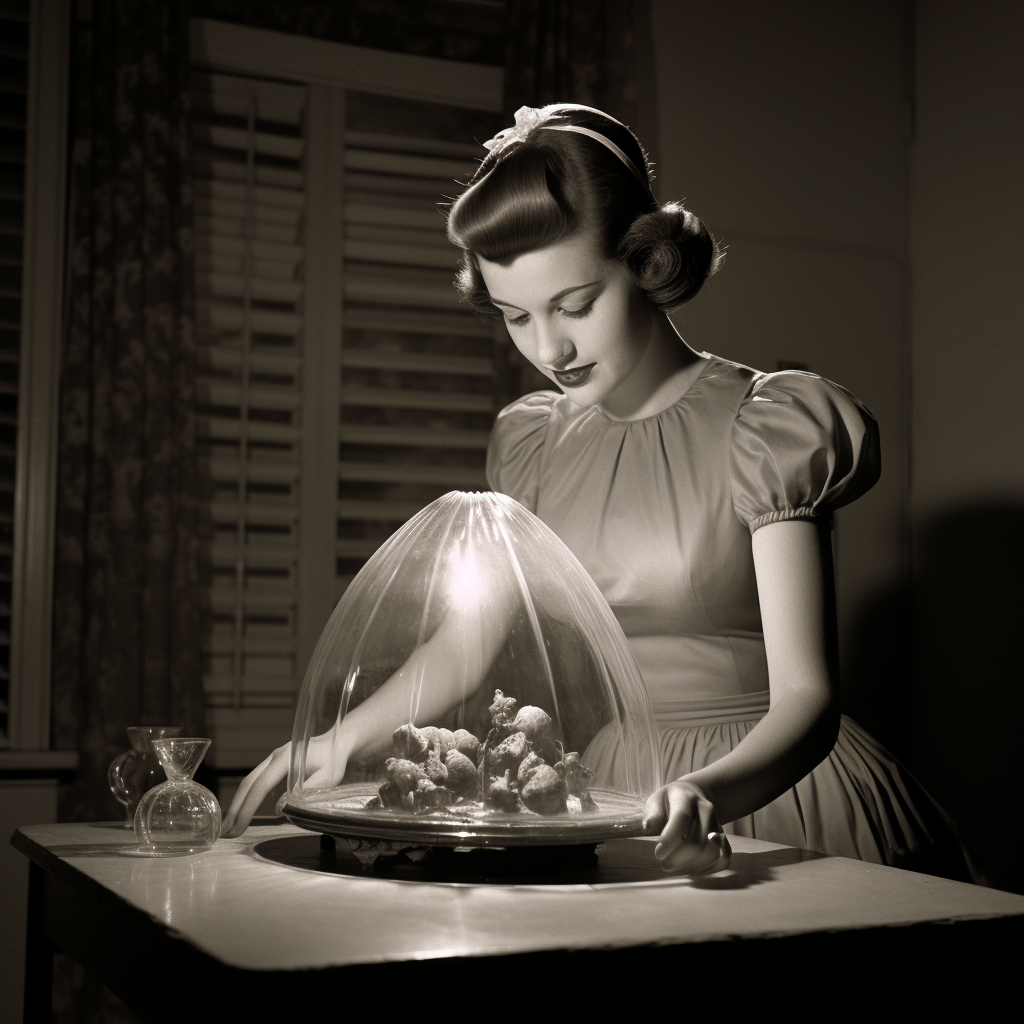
[518,767]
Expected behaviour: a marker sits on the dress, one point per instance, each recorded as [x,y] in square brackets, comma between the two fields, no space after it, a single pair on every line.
[660,512]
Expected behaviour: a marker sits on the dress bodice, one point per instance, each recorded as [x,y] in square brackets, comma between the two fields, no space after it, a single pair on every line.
[660,510]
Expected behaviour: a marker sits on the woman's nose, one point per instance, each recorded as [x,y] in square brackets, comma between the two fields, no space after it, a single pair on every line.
[554,349]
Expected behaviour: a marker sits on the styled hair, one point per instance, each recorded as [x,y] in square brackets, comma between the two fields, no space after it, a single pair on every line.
[538,187]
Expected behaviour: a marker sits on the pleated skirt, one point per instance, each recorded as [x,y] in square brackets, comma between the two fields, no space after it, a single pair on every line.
[860,802]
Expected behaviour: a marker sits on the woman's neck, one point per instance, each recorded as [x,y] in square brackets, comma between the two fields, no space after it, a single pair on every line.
[668,369]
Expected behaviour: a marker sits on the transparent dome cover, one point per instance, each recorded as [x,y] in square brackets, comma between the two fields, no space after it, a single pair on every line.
[458,689]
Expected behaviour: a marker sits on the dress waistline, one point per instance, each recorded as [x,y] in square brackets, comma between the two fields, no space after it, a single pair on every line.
[686,714]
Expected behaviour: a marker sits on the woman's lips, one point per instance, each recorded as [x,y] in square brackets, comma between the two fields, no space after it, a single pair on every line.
[575,377]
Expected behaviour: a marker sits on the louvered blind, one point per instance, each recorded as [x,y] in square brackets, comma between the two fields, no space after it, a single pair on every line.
[417,371]
[343,385]
[250,210]
[14,28]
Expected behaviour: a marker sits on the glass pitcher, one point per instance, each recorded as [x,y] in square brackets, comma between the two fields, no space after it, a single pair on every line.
[137,770]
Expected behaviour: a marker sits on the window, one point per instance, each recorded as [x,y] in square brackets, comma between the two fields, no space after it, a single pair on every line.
[343,386]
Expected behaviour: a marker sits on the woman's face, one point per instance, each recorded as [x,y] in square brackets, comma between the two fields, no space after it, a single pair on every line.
[576,315]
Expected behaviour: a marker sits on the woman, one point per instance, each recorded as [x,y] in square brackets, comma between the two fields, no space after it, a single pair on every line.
[696,492]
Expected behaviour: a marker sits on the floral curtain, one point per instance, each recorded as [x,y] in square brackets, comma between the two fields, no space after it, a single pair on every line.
[128,583]
[466,31]
[572,51]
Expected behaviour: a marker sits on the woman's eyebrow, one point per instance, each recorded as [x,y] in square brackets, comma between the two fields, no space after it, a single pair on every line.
[554,298]
[575,288]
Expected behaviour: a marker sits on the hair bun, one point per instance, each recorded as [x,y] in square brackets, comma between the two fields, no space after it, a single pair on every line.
[670,254]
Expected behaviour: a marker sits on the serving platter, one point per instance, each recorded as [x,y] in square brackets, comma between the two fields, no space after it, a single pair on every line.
[343,812]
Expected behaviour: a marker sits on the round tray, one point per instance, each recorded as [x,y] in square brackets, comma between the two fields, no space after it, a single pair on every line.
[618,816]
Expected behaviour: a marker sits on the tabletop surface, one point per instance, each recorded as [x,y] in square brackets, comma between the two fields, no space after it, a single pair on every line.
[254,913]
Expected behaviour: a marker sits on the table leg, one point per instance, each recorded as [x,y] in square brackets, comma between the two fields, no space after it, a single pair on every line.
[38,955]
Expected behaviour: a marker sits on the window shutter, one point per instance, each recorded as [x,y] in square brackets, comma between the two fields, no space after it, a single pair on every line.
[417,395]
[343,384]
[250,218]
[14,27]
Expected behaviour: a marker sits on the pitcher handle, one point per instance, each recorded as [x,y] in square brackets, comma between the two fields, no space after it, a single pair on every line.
[116,779]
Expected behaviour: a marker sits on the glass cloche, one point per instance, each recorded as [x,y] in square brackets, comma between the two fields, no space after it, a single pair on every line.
[458,689]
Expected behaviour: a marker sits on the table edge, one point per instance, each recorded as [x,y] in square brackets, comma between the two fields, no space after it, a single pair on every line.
[67,873]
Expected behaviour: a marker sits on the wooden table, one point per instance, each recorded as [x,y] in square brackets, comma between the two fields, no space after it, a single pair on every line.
[259,938]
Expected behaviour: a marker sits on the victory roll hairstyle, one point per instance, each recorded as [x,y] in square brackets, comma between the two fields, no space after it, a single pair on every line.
[538,186]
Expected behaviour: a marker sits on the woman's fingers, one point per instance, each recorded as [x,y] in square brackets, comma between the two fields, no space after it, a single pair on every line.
[266,781]
[707,850]
[687,851]
[243,788]
[718,850]
[708,818]
[257,785]
[680,818]
[697,857]
[324,759]
[692,840]
[655,813]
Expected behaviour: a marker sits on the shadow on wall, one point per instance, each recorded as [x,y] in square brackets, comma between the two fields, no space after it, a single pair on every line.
[934,672]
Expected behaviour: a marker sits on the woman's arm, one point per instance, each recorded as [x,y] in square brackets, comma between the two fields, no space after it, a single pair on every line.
[796,589]
[437,676]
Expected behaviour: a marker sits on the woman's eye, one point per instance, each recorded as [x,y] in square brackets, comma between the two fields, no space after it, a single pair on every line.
[579,314]
[518,321]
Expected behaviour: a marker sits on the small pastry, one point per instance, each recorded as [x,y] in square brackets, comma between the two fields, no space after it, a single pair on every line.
[544,792]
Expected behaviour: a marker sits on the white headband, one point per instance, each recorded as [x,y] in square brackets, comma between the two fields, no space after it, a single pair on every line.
[528,119]
[642,178]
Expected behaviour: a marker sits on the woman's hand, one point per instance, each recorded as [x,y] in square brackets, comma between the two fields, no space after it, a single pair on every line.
[687,820]
[326,759]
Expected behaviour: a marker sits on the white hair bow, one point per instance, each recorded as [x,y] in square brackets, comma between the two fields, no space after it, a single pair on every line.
[527,118]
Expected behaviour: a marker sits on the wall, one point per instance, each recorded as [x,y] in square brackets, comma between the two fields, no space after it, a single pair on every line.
[968,363]
[784,127]
[22,802]
[862,164]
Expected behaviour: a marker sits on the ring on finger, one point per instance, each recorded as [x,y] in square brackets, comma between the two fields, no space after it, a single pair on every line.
[724,852]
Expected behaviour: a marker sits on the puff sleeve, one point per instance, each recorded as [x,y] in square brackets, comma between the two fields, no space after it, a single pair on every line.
[514,450]
[801,446]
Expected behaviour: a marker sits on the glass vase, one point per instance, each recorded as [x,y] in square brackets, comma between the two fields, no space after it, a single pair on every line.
[179,816]
[138,770]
